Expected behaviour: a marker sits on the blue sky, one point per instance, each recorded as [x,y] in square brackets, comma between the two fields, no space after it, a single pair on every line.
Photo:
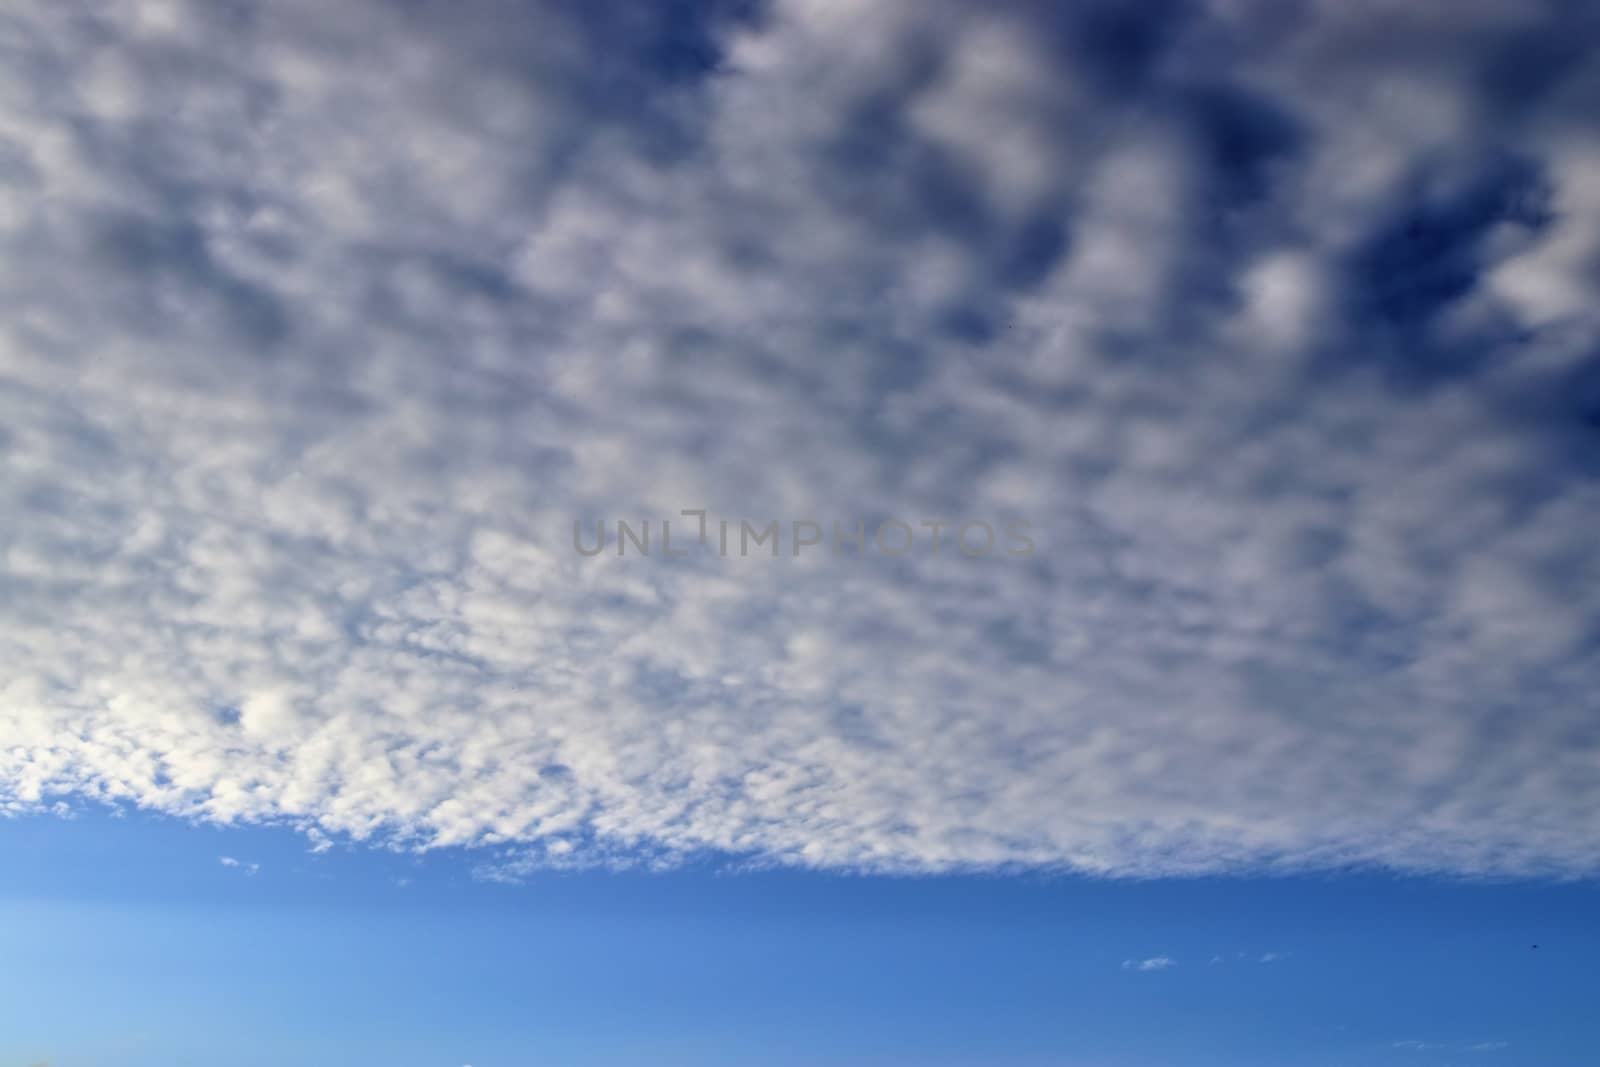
[1170,434]
[142,948]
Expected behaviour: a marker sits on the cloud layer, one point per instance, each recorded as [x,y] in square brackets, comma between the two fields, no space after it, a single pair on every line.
[320,325]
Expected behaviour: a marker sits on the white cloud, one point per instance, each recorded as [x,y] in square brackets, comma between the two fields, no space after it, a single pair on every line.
[309,360]
[1437,1046]
[1155,963]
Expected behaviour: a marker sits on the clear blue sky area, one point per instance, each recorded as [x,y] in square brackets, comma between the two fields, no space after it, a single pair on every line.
[129,943]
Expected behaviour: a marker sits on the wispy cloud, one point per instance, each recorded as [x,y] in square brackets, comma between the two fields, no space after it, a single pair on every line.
[1438,1046]
[248,868]
[1265,957]
[1155,963]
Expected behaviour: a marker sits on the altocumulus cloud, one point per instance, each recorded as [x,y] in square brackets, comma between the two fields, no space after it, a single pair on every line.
[319,325]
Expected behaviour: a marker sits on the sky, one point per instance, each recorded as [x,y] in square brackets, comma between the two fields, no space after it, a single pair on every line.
[138,945]
[1113,485]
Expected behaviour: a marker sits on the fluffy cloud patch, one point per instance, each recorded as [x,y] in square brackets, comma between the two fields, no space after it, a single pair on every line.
[319,327]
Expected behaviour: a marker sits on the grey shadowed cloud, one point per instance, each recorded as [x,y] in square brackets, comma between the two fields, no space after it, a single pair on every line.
[320,325]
